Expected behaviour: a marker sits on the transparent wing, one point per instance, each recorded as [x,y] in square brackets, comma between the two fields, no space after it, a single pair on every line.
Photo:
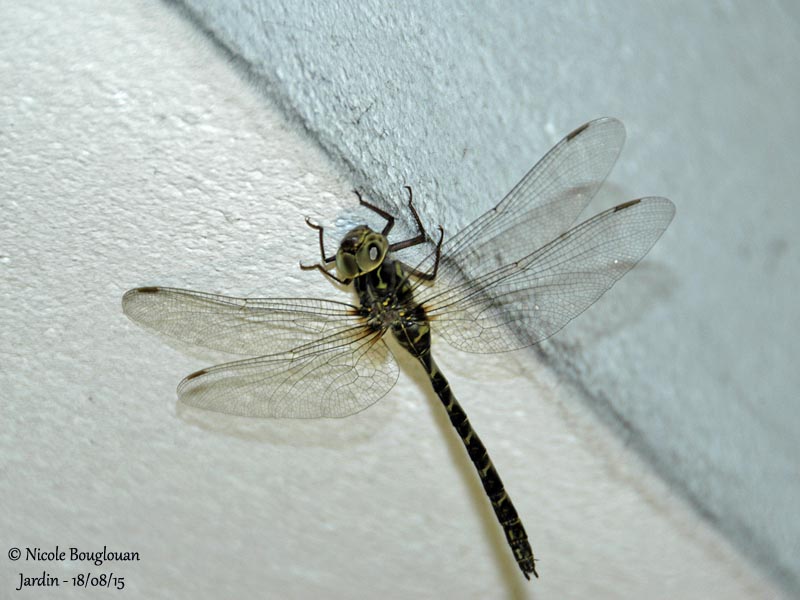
[312,381]
[528,300]
[248,327]
[540,207]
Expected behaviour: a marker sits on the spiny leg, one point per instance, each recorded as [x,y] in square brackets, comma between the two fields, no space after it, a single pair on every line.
[419,239]
[422,234]
[389,217]
[416,240]
[325,272]
[430,276]
[320,229]
[325,260]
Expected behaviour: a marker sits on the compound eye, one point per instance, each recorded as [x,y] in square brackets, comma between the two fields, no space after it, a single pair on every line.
[346,265]
[370,256]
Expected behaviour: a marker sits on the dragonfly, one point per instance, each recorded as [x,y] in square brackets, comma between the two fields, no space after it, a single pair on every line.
[512,278]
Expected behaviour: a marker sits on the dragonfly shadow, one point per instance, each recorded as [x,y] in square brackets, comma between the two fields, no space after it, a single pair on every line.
[630,301]
[331,434]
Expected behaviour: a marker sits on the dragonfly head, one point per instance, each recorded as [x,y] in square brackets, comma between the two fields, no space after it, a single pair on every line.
[362,250]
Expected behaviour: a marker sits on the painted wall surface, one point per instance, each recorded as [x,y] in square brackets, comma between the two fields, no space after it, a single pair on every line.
[133,151]
[693,357]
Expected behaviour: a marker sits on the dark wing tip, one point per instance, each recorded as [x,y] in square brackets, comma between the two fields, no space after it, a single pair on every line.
[195,375]
[576,132]
[627,204]
[129,297]
[665,205]
[136,291]
[601,122]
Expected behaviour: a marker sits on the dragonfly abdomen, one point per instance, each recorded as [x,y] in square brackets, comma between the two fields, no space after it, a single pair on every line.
[492,484]
[388,298]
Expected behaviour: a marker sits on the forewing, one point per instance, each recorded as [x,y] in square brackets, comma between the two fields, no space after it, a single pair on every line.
[544,204]
[529,300]
[242,326]
[311,382]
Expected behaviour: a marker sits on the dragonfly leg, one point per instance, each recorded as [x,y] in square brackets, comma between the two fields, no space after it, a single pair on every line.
[325,260]
[389,218]
[320,229]
[420,227]
[430,275]
[325,272]
[421,236]
[416,240]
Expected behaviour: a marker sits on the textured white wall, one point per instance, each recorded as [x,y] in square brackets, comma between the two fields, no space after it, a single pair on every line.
[134,153]
[691,357]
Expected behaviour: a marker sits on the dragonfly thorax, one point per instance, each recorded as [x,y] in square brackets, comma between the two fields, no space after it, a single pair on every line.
[361,251]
